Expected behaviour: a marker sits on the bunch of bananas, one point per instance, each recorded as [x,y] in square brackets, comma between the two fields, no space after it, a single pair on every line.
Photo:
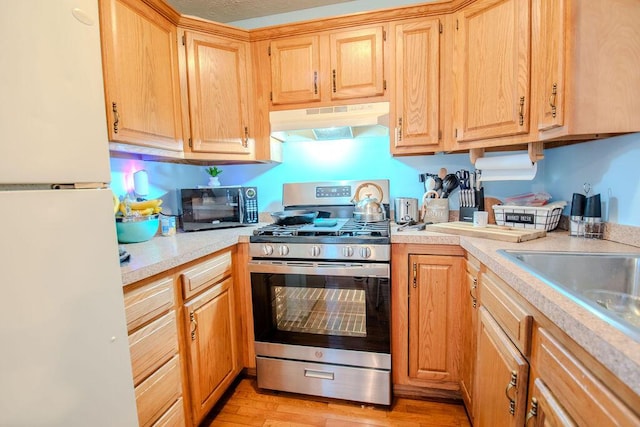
[144,208]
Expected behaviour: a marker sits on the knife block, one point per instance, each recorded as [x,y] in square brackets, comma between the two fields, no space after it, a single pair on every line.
[466,213]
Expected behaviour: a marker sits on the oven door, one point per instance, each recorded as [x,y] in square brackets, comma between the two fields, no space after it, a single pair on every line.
[321,304]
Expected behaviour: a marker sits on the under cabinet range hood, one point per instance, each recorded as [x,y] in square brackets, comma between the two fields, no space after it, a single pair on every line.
[330,123]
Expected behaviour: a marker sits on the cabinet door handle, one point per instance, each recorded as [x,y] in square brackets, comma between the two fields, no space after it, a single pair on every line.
[511,390]
[116,117]
[415,275]
[474,298]
[315,82]
[194,325]
[399,129]
[552,99]
[245,140]
[533,412]
[521,111]
[334,81]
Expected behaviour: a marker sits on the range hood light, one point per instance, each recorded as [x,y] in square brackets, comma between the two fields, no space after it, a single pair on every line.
[331,123]
[328,134]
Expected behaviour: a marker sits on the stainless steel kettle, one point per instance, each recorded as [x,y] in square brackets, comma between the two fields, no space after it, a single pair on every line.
[368,209]
[405,210]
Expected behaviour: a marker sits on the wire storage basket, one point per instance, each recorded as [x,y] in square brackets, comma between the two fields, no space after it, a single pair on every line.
[544,217]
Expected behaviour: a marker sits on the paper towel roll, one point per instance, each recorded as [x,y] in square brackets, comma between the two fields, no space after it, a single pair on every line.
[517,167]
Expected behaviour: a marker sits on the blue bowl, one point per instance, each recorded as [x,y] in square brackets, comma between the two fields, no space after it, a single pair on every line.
[137,230]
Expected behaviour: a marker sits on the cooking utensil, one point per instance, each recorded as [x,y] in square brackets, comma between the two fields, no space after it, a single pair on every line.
[442,173]
[368,209]
[294,217]
[449,183]
[429,184]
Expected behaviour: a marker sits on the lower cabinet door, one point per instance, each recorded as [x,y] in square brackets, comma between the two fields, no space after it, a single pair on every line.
[212,346]
[501,378]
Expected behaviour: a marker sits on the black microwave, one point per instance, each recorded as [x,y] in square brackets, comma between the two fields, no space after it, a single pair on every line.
[218,207]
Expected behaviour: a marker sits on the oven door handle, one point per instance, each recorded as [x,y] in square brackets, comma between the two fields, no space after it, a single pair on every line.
[320,268]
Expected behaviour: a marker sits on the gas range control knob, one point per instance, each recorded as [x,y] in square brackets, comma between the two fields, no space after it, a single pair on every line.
[365,252]
[347,251]
[315,251]
[283,250]
[267,250]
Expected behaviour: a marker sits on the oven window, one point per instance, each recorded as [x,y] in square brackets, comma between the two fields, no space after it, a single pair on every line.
[350,313]
[321,311]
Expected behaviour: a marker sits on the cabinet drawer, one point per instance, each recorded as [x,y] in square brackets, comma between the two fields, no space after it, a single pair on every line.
[148,301]
[511,317]
[174,417]
[585,399]
[205,274]
[152,345]
[156,394]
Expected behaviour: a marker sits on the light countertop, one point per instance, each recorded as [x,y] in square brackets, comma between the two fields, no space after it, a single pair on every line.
[615,350]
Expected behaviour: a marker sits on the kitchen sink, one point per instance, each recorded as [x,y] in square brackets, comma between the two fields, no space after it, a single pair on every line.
[607,284]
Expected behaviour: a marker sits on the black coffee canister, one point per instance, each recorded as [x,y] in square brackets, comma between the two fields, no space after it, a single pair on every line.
[592,207]
[577,204]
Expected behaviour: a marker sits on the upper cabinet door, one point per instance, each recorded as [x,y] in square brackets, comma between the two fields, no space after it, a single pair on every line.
[492,66]
[550,38]
[357,63]
[142,86]
[295,70]
[218,82]
[415,116]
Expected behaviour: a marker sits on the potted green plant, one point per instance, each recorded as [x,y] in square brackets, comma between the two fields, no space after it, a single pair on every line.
[213,172]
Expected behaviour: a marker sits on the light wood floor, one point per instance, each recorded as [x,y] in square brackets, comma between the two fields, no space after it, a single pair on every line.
[246,405]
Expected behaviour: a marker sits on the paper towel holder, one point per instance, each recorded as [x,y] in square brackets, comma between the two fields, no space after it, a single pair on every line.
[535,150]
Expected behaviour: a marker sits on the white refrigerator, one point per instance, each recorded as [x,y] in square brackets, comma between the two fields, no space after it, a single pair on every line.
[64,354]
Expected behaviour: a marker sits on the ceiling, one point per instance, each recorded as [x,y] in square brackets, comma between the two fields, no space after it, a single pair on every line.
[236,10]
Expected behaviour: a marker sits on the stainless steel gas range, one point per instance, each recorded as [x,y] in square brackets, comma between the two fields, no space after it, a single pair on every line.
[321,296]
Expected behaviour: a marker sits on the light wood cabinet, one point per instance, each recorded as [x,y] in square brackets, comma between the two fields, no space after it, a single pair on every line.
[295,70]
[492,71]
[469,315]
[140,67]
[585,61]
[219,105]
[354,69]
[154,348]
[500,395]
[415,106]
[426,299]
[565,392]
[357,63]
[212,338]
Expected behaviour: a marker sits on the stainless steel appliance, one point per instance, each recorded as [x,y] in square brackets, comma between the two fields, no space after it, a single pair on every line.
[321,297]
[209,208]
[405,210]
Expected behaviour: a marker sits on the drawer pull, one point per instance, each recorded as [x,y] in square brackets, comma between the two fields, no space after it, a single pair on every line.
[512,385]
[533,412]
[323,375]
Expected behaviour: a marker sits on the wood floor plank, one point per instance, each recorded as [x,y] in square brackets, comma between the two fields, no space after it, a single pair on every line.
[246,405]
